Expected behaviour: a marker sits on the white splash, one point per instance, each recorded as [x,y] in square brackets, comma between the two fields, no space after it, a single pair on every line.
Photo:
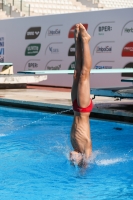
[92,159]
[2,135]
[110,161]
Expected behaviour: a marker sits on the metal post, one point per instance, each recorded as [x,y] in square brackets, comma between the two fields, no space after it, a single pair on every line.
[2,4]
[9,8]
[13,2]
[29,10]
[21,5]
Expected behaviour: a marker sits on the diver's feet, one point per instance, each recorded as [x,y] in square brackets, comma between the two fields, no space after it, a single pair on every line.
[78,159]
[76,35]
[78,48]
[85,37]
[75,157]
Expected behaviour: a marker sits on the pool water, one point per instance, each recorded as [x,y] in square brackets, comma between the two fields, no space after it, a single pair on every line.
[34,164]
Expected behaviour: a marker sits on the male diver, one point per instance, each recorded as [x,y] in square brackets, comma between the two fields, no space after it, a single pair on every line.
[80,95]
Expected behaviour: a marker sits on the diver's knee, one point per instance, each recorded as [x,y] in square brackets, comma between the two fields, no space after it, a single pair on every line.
[83,75]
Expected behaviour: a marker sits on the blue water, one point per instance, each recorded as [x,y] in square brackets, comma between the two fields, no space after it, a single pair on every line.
[34,164]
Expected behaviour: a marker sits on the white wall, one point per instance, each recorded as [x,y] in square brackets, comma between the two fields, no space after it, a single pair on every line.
[112,28]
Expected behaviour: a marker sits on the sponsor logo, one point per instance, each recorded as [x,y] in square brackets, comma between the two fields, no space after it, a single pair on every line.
[32,64]
[128,30]
[72,66]
[71,51]
[53,50]
[71,31]
[103,47]
[53,65]
[33,33]
[106,49]
[1,39]
[102,67]
[57,67]
[103,29]
[129,65]
[2,49]
[128,50]
[1,44]
[54,32]
[32,49]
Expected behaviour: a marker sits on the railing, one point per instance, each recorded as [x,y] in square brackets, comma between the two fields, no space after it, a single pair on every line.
[17,8]
[13,8]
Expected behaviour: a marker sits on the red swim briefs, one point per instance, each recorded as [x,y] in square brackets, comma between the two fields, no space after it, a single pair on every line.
[79,109]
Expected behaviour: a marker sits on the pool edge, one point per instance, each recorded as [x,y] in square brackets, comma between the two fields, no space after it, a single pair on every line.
[45,107]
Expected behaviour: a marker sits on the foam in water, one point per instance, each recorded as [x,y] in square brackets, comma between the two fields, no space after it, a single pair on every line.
[93,159]
[110,161]
[2,135]
[104,162]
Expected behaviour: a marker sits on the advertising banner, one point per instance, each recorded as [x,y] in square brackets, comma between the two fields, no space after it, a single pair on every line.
[2,48]
[47,43]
